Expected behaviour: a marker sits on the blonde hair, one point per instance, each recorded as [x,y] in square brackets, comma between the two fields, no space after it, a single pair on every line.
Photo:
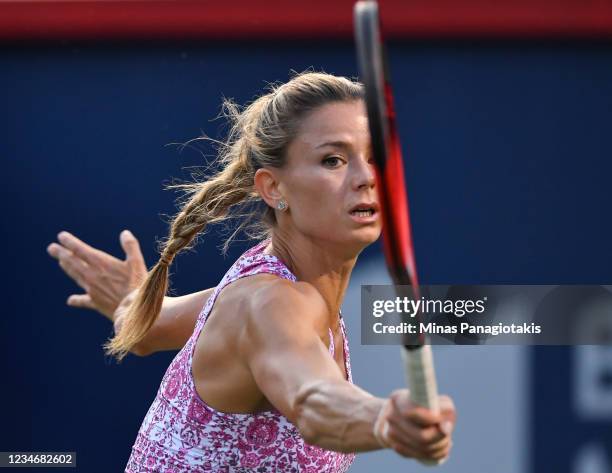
[258,137]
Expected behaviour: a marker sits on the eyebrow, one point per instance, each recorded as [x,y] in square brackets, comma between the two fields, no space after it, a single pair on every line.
[336,144]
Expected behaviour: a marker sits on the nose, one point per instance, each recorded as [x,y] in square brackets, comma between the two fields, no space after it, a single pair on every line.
[364,176]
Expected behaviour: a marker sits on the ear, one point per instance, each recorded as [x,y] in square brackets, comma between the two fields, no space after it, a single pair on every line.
[267,183]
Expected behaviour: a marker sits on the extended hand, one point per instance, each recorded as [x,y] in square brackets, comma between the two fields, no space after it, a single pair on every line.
[413,431]
[106,280]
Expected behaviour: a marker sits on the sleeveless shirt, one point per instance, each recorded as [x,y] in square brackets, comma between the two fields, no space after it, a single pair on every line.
[181,433]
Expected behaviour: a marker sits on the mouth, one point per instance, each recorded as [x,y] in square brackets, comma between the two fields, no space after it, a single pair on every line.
[364,211]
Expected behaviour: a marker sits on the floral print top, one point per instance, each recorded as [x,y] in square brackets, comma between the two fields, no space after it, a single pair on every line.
[181,433]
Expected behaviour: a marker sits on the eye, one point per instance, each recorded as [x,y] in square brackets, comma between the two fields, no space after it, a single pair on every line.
[332,161]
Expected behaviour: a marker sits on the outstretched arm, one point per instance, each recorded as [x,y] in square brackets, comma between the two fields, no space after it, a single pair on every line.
[109,284]
[281,343]
[174,326]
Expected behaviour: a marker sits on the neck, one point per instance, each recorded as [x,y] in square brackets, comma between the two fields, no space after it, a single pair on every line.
[327,266]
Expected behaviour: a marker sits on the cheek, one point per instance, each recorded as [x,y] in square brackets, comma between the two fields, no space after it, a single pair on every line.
[317,200]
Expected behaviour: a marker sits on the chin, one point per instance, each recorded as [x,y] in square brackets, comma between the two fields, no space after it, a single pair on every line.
[349,240]
[364,237]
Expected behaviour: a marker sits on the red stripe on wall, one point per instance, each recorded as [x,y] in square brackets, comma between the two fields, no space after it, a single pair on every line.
[250,19]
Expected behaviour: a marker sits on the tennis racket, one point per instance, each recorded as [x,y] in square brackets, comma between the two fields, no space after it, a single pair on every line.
[397,235]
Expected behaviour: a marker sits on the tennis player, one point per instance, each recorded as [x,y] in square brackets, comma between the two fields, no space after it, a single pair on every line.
[262,381]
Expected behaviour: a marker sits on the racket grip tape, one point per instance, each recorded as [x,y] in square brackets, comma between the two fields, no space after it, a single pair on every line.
[421,378]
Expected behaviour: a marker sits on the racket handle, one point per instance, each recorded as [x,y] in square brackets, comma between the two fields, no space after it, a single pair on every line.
[421,378]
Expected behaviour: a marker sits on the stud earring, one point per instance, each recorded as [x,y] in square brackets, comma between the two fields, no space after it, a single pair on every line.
[282,205]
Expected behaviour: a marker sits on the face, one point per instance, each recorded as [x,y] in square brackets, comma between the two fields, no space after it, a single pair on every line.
[329,178]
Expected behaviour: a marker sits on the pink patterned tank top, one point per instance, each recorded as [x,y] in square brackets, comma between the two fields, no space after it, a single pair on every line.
[181,433]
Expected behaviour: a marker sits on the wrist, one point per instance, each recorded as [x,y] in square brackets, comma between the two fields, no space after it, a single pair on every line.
[380,428]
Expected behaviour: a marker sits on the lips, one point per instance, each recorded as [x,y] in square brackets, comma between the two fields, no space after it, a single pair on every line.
[364,209]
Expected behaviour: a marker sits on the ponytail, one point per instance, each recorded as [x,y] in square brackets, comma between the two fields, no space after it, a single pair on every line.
[208,205]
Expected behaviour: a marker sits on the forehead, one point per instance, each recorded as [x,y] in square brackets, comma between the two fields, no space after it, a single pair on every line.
[341,121]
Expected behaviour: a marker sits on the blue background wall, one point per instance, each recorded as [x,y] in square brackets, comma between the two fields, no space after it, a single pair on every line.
[507,148]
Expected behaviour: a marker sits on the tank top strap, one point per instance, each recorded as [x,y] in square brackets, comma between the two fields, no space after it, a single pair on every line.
[253,261]
[345,349]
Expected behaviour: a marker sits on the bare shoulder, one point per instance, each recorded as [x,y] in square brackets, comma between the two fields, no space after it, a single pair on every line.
[273,292]
[290,300]
[273,305]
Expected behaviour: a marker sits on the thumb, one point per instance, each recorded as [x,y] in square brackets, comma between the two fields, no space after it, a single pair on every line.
[81,300]
[400,400]
[133,254]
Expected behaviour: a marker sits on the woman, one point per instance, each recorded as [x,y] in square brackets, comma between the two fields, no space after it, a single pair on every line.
[263,382]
